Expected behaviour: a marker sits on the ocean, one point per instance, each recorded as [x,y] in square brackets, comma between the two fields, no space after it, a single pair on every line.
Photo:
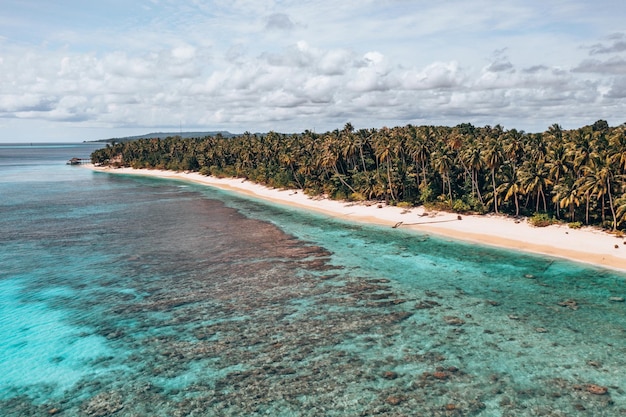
[130,296]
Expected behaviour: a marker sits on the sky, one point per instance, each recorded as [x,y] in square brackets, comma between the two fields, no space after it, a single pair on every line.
[77,70]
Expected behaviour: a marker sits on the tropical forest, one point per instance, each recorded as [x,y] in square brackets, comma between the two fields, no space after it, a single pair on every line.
[576,176]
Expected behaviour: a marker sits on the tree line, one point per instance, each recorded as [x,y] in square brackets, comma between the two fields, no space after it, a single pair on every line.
[576,175]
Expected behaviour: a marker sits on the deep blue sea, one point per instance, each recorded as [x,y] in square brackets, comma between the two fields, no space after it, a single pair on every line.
[130,296]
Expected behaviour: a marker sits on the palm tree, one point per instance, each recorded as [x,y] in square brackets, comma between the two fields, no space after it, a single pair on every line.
[536,180]
[567,194]
[493,160]
[330,159]
[472,158]
[598,181]
[617,148]
[442,163]
[384,147]
[511,186]
[558,164]
[419,150]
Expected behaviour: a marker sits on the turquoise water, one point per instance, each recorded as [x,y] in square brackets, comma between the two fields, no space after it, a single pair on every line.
[131,296]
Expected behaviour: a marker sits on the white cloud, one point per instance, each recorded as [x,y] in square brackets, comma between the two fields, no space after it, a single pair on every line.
[435,76]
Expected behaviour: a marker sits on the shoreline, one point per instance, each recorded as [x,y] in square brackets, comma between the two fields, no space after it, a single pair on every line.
[585,245]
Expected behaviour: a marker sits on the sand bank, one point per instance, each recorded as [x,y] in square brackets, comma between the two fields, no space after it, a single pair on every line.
[588,245]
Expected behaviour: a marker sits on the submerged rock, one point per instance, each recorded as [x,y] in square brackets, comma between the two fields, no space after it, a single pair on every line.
[440,375]
[398,316]
[453,321]
[393,400]
[426,304]
[596,389]
[572,304]
[390,375]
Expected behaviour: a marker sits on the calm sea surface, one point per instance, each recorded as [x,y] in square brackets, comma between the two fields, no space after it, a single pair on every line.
[130,296]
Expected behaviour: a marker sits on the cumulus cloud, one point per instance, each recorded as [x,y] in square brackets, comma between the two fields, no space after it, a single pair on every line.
[373,74]
[437,75]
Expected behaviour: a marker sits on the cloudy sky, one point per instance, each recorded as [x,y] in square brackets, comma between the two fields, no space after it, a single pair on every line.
[83,70]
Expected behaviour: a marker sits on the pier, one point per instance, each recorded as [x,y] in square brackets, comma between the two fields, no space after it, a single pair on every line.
[78,161]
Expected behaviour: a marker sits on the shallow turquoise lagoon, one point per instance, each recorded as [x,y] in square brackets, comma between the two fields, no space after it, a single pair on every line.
[130,296]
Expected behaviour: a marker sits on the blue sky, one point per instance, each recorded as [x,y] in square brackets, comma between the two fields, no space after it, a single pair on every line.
[76,70]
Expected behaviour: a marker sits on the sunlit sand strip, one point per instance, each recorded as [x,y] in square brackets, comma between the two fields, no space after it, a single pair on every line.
[588,245]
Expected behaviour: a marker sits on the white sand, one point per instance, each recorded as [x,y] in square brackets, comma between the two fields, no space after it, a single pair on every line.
[588,245]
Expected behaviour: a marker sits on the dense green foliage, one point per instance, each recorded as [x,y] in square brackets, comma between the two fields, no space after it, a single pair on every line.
[573,175]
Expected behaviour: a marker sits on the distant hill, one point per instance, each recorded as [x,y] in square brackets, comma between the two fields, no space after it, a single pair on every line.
[162,135]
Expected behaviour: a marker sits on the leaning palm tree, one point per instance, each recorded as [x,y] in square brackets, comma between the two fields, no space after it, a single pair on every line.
[330,158]
[620,210]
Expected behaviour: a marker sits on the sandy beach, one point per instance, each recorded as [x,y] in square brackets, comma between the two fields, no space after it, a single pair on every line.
[587,245]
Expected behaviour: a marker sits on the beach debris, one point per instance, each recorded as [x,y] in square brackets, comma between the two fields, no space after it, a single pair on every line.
[616,299]
[54,411]
[596,389]
[571,304]
[453,320]
[529,276]
[395,226]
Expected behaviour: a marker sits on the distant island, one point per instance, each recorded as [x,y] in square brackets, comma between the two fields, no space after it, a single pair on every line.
[163,135]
